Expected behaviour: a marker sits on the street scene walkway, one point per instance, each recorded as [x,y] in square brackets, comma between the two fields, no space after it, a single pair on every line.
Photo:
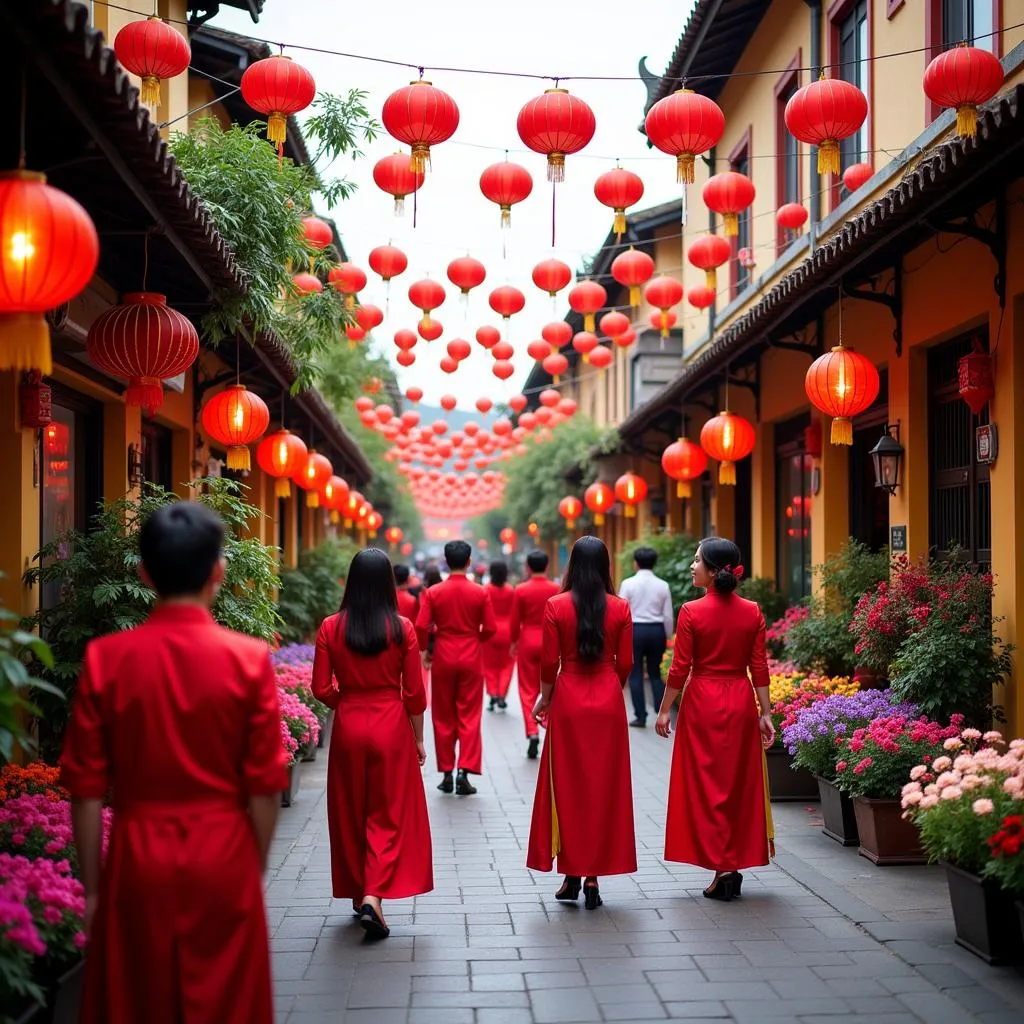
[821,936]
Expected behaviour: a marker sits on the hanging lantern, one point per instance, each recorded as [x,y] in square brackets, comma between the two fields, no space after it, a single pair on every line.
[143,341]
[746,258]
[556,124]
[822,114]
[662,322]
[630,489]
[506,184]
[466,273]
[430,330]
[599,497]
[555,365]
[502,350]
[624,340]
[355,334]
[392,174]
[842,384]
[614,324]
[683,461]
[484,406]
[405,339]
[619,189]
[363,403]
[488,336]
[48,254]
[374,521]
[502,369]
[538,350]
[448,403]
[506,301]
[236,417]
[349,280]
[701,296]
[570,508]
[729,194]
[508,536]
[316,233]
[277,87]
[306,284]
[313,473]
[35,401]
[517,403]
[601,358]
[426,295]
[856,175]
[369,316]
[420,115]
[791,216]
[393,535]
[458,349]
[154,51]
[663,293]
[372,385]
[812,440]
[633,269]
[551,276]
[388,261]
[684,125]
[568,407]
[585,342]
[963,77]
[708,253]
[335,495]
[975,378]
[557,334]
[727,438]
[587,298]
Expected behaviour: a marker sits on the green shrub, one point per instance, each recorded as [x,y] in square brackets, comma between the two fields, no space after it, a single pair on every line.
[675,554]
[312,590]
[763,590]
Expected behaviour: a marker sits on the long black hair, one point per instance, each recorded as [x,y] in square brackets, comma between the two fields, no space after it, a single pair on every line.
[370,604]
[589,579]
[431,576]
[721,557]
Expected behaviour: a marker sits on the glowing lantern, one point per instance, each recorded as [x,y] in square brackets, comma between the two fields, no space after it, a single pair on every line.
[975,378]
[430,330]
[633,269]
[824,112]
[708,253]
[506,184]
[420,115]
[316,233]
[374,521]
[963,77]
[599,497]
[306,284]
[791,216]
[551,276]
[488,336]
[349,280]
[508,536]
[236,417]
[426,295]
[533,530]
[601,358]
[842,384]
[557,124]
[587,298]
[570,509]
[393,535]
[388,261]
[277,87]
[392,174]
[683,461]
[466,273]
[630,489]
[618,189]
[856,175]
[506,301]
[663,293]
[727,438]
[313,473]
[335,494]
[701,296]
[154,51]
[729,194]
[684,125]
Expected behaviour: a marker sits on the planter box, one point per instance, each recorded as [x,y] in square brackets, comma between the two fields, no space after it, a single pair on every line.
[289,795]
[885,836]
[838,817]
[63,997]
[786,782]
[987,922]
[308,753]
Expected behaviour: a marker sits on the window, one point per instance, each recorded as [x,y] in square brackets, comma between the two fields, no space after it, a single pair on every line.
[740,161]
[787,149]
[793,509]
[854,52]
[970,20]
[869,505]
[156,455]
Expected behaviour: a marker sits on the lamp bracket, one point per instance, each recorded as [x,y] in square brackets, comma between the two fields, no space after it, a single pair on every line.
[993,237]
[799,343]
[893,302]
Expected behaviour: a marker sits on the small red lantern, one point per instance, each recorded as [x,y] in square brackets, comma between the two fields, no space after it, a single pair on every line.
[448,365]
[538,350]
[388,261]
[393,535]
[392,174]
[585,342]
[374,521]
[663,322]
[154,51]
[448,403]
[316,233]
[349,280]
[506,184]
[856,175]
[369,316]
[502,350]
[281,455]
[277,87]
[975,378]
[630,489]
[549,398]
[684,125]
[701,296]
[963,77]
[614,324]
[551,276]
[729,194]
[570,509]
[624,340]
[458,349]
[502,369]
[236,417]
[414,394]
[601,358]
[466,273]
[426,295]
[488,336]
[430,330]
[312,475]
[599,497]
[517,403]
[663,293]
[727,438]
[508,536]
[557,334]
[683,461]
[36,401]
[506,301]
[618,189]
[405,340]
[306,284]
[587,298]
[812,440]
[824,112]
[633,269]
[791,216]
[708,253]
[842,384]
[420,115]
[405,358]
[557,124]
[484,406]
[555,365]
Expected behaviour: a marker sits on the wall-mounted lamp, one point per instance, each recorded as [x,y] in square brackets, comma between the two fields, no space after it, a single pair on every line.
[136,465]
[887,458]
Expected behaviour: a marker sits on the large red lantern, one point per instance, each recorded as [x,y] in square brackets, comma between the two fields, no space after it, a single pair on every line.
[466,273]
[430,329]
[663,293]
[791,216]
[277,87]
[551,276]
[587,298]
[570,508]
[506,184]
[729,194]
[727,438]
[420,115]
[154,51]
[557,124]
[708,253]
[392,174]
[458,349]
[856,175]
[599,497]
[633,269]
[975,378]
[619,189]
[630,489]
[281,455]
[842,384]
[143,341]
[506,301]
[963,77]
[824,112]
[684,125]
[236,417]
[388,261]
[48,254]
[313,473]
[316,233]
[348,279]
[683,461]
[426,295]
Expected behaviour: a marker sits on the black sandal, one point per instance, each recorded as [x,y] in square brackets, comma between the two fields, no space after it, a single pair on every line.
[372,923]
[592,896]
[722,888]
[570,891]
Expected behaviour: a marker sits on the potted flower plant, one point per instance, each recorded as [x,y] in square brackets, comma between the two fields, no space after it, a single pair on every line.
[291,750]
[1007,864]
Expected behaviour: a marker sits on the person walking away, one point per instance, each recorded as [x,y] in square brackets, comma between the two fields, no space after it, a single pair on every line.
[650,603]
[719,817]
[178,721]
[525,631]
[431,578]
[583,808]
[408,605]
[460,613]
[367,665]
[498,660]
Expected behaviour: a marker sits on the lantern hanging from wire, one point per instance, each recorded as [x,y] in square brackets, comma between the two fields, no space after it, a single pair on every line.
[633,269]
[708,253]
[487,336]
[685,125]
[277,87]
[599,497]
[663,293]
[857,175]
[313,473]
[236,417]
[551,276]
[570,508]
[388,261]
[556,124]
[791,217]
[316,233]
[420,115]
[426,295]
[505,184]
[963,77]
[506,301]
[822,114]
[349,280]
[701,296]
[619,189]
[975,378]
[153,50]
[392,174]
[586,298]
[281,455]
[842,384]
[630,489]
[683,461]
[729,194]
[466,273]
[727,438]
[601,358]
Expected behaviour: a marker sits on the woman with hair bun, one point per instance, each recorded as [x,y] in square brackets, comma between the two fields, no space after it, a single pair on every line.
[719,817]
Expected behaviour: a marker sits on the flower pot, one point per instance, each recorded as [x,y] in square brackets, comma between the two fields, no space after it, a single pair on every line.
[786,782]
[325,728]
[869,678]
[885,836]
[294,775]
[839,820]
[986,920]
[309,752]
[63,997]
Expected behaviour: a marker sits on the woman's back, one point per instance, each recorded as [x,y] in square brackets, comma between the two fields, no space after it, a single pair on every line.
[560,634]
[723,634]
[501,600]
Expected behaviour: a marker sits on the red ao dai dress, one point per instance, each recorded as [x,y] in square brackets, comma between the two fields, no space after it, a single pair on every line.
[498,662]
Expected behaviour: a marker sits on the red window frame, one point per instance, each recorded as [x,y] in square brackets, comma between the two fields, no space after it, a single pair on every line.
[789,79]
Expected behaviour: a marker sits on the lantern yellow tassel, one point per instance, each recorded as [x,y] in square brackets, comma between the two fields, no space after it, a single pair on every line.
[967,121]
[588,322]
[634,295]
[630,512]
[586,357]
[25,342]
[420,160]
[842,431]
[149,94]
[282,488]
[334,516]
[732,224]
[619,226]
[277,128]
[312,499]
[238,457]
[684,168]
[683,489]
[599,519]
[727,474]
[828,157]
[711,278]
[348,524]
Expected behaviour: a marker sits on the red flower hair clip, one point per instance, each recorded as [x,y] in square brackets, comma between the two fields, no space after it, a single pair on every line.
[737,572]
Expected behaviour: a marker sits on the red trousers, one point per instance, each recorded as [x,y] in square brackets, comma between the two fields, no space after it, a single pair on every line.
[456,707]
[528,677]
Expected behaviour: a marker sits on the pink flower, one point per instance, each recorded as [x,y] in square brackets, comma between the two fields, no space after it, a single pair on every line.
[952,793]
[970,734]
[840,766]
[983,806]
[992,736]
[1014,785]
[952,743]
[941,763]
[913,799]
[917,771]
[928,802]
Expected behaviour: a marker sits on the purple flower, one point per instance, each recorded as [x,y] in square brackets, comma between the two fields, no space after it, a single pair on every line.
[294,654]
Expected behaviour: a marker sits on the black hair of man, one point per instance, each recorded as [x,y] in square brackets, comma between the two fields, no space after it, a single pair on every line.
[457,554]
[401,575]
[180,545]
[537,560]
[645,558]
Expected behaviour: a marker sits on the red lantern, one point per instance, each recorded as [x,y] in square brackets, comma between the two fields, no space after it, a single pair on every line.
[393,535]
[601,358]
[633,269]
[421,116]
[369,316]
[508,536]
[372,385]
[502,350]
[35,400]
[354,333]
[277,87]
[683,461]
[684,125]
[599,497]
[701,296]
[567,407]
[663,293]
[502,369]
[708,253]
[414,394]
[488,336]
[618,189]
[630,489]
[555,365]
[458,349]
[624,340]
[388,261]
[312,475]
[570,509]
[662,322]
[143,341]
[374,521]
[49,254]
[791,216]
[430,330]
[975,378]
[316,233]
[551,276]
[557,334]
[405,340]
[448,403]
[587,298]
[585,342]
[466,273]
[506,184]
[856,175]
[306,284]
[392,174]
[484,406]
[538,350]
[363,403]
[727,438]
[506,301]
[236,417]
[448,364]
[729,194]
[281,455]
[963,77]
[842,384]
[614,324]
[812,439]
[824,112]
[517,403]
[426,295]
[557,124]
[154,51]
[349,280]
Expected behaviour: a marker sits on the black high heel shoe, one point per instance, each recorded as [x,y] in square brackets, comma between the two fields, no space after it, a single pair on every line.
[373,924]
[737,880]
[570,891]
[592,896]
[723,888]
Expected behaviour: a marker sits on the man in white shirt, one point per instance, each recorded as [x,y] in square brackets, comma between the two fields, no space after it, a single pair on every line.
[650,602]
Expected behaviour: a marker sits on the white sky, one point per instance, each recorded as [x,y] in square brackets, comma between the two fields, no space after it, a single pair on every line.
[563,37]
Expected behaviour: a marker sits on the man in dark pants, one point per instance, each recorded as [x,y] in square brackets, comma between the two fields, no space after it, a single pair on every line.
[650,602]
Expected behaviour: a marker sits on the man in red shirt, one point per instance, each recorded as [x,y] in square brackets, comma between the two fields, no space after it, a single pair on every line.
[531,598]
[460,613]
[408,605]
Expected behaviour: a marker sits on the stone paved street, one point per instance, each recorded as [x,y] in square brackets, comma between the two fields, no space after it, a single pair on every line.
[820,937]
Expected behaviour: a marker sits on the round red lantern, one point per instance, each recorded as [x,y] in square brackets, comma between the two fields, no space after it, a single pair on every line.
[727,438]
[570,508]
[517,403]
[538,350]
[506,184]
[277,87]
[587,298]
[508,536]
[630,489]
[842,384]
[405,339]
[392,174]
[963,77]
[614,324]
[684,125]
[791,216]
[506,301]
[975,378]
[557,124]
[312,475]
[488,336]
[502,369]
[388,261]
[662,322]
[369,316]
[143,341]
[458,349]
[663,293]
[236,417]
[430,330]
[856,175]
[448,364]
[281,455]
[466,273]
[154,51]
[448,403]
[555,365]
[372,385]
[426,295]
[618,189]
[683,461]
[824,112]
[484,406]
[708,253]
[601,358]
[633,269]
[414,394]
[599,497]
[585,342]
[420,115]
[729,194]
[355,334]
[49,254]
[557,334]
[335,495]
[549,398]
[316,233]
[701,296]
[349,280]
[393,535]
[624,340]
[551,276]
[306,284]
[502,350]
[363,403]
